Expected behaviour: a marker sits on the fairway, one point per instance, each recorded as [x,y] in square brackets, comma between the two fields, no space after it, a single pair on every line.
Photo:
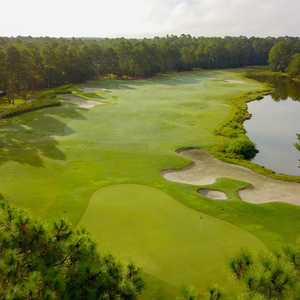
[53,160]
[101,167]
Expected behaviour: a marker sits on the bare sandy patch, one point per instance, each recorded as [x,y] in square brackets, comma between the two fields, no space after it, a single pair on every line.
[214,195]
[227,80]
[234,81]
[86,104]
[206,169]
[93,90]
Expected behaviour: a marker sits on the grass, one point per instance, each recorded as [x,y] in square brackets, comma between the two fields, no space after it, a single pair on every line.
[55,161]
[42,99]
[11,110]
[168,240]
[266,74]
[231,187]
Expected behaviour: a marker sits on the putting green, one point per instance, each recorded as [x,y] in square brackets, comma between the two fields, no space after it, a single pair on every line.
[168,240]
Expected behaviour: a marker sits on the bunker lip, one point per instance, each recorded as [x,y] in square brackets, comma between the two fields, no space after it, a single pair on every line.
[92,90]
[213,194]
[86,104]
[206,169]
[234,81]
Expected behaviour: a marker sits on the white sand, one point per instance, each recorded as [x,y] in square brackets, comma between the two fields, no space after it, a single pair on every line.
[91,90]
[214,195]
[234,81]
[86,104]
[205,169]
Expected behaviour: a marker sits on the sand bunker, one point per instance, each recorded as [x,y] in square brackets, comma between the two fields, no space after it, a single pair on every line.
[234,81]
[93,90]
[227,80]
[206,169]
[87,104]
[211,194]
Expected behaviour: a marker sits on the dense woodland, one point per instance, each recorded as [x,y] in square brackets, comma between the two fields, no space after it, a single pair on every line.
[285,56]
[28,64]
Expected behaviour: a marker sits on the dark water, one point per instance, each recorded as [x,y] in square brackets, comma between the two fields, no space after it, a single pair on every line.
[274,126]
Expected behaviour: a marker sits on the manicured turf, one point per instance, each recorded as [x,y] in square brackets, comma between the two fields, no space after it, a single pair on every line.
[53,161]
[167,239]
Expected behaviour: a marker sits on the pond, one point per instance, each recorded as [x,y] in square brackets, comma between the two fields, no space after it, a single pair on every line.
[274,128]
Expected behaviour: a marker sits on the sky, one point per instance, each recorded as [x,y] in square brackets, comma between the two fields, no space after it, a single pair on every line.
[147,18]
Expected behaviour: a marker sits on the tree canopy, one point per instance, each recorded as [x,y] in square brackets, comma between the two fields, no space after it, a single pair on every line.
[282,53]
[294,65]
[264,276]
[269,276]
[27,64]
[42,261]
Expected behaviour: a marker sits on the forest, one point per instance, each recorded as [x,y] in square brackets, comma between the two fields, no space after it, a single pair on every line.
[28,64]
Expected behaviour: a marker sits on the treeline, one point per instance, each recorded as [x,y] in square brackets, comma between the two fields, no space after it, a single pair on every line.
[28,64]
[285,56]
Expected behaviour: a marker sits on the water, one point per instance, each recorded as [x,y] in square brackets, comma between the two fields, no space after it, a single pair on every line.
[274,126]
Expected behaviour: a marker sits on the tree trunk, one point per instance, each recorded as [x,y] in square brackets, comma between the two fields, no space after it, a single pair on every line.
[11,99]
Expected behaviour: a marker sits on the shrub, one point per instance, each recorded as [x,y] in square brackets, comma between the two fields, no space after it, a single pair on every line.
[270,276]
[241,147]
[28,106]
[240,264]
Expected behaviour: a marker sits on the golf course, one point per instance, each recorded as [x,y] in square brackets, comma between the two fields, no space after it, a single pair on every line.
[110,164]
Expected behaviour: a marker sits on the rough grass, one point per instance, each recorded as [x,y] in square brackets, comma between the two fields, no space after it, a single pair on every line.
[232,128]
[265,74]
[43,99]
[52,161]
[9,111]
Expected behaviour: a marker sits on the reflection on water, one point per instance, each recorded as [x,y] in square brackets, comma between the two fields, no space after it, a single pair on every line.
[274,126]
[284,89]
